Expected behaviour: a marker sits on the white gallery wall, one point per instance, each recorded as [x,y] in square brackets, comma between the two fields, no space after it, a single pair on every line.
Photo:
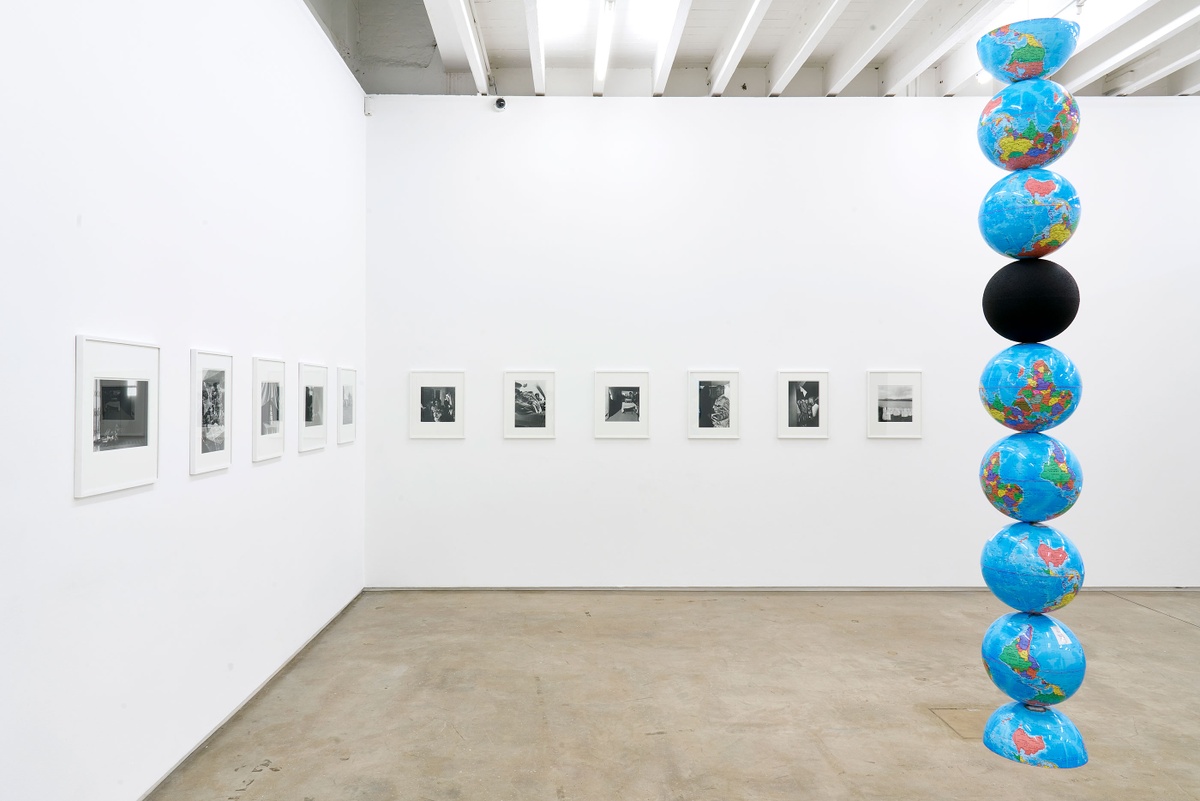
[576,234]
[171,178]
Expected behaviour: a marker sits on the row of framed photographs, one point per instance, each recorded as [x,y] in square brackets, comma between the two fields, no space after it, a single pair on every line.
[622,405]
[116,412]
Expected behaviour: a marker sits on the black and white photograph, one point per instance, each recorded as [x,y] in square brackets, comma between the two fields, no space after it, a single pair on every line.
[348,385]
[116,415]
[436,405]
[894,404]
[269,421]
[529,405]
[269,394]
[212,411]
[804,404]
[803,411]
[312,433]
[713,405]
[120,415]
[212,381]
[314,406]
[622,405]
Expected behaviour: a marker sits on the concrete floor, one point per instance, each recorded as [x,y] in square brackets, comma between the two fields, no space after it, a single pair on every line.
[690,696]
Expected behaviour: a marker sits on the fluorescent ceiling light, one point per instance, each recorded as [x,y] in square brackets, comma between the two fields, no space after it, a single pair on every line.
[604,37]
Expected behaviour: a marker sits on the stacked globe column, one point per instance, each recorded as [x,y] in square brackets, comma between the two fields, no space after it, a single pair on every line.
[1031,387]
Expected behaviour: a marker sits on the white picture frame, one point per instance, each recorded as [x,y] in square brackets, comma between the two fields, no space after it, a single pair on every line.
[803,404]
[714,409]
[269,400]
[211,428]
[529,405]
[622,409]
[116,415]
[347,400]
[436,404]
[312,432]
[894,404]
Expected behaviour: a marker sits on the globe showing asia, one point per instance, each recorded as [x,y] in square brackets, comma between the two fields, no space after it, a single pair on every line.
[1030,387]
[1029,214]
[1033,659]
[1031,567]
[1032,48]
[1028,124]
[1031,477]
[1037,736]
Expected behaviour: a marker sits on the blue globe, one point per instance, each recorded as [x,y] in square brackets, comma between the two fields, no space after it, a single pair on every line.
[1031,477]
[1028,124]
[1030,387]
[1033,659]
[1043,737]
[1033,48]
[1029,214]
[1031,567]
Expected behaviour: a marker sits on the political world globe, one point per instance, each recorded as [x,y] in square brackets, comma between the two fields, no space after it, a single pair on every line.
[1029,214]
[1028,124]
[1034,659]
[1032,48]
[1043,737]
[1032,567]
[1031,477]
[1030,387]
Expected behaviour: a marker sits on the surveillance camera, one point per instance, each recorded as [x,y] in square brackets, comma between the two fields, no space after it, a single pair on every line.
[500,104]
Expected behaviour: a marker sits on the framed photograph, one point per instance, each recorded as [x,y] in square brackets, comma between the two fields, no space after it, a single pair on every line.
[894,404]
[116,415]
[266,441]
[347,411]
[529,405]
[435,407]
[713,409]
[211,427]
[803,411]
[622,405]
[313,380]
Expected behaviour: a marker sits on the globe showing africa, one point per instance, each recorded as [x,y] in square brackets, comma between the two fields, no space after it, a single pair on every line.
[1032,567]
[1029,214]
[1028,124]
[1031,477]
[1030,387]
[1033,48]
[1033,659]
[1043,737]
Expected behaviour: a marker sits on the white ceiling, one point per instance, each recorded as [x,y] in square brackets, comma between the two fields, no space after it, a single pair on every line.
[816,48]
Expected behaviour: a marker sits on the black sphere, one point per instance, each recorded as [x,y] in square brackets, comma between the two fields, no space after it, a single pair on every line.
[1030,300]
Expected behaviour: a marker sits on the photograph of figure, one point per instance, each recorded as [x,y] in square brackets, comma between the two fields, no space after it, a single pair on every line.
[269,408]
[529,409]
[314,405]
[714,404]
[212,411]
[437,404]
[894,403]
[347,405]
[623,405]
[804,404]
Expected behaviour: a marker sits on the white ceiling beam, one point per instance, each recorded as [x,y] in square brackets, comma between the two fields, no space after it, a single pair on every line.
[749,15]
[1186,81]
[1096,19]
[1142,33]
[816,19]
[458,40]
[537,49]
[668,46]
[886,19]
[937,33]
[1176,53]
